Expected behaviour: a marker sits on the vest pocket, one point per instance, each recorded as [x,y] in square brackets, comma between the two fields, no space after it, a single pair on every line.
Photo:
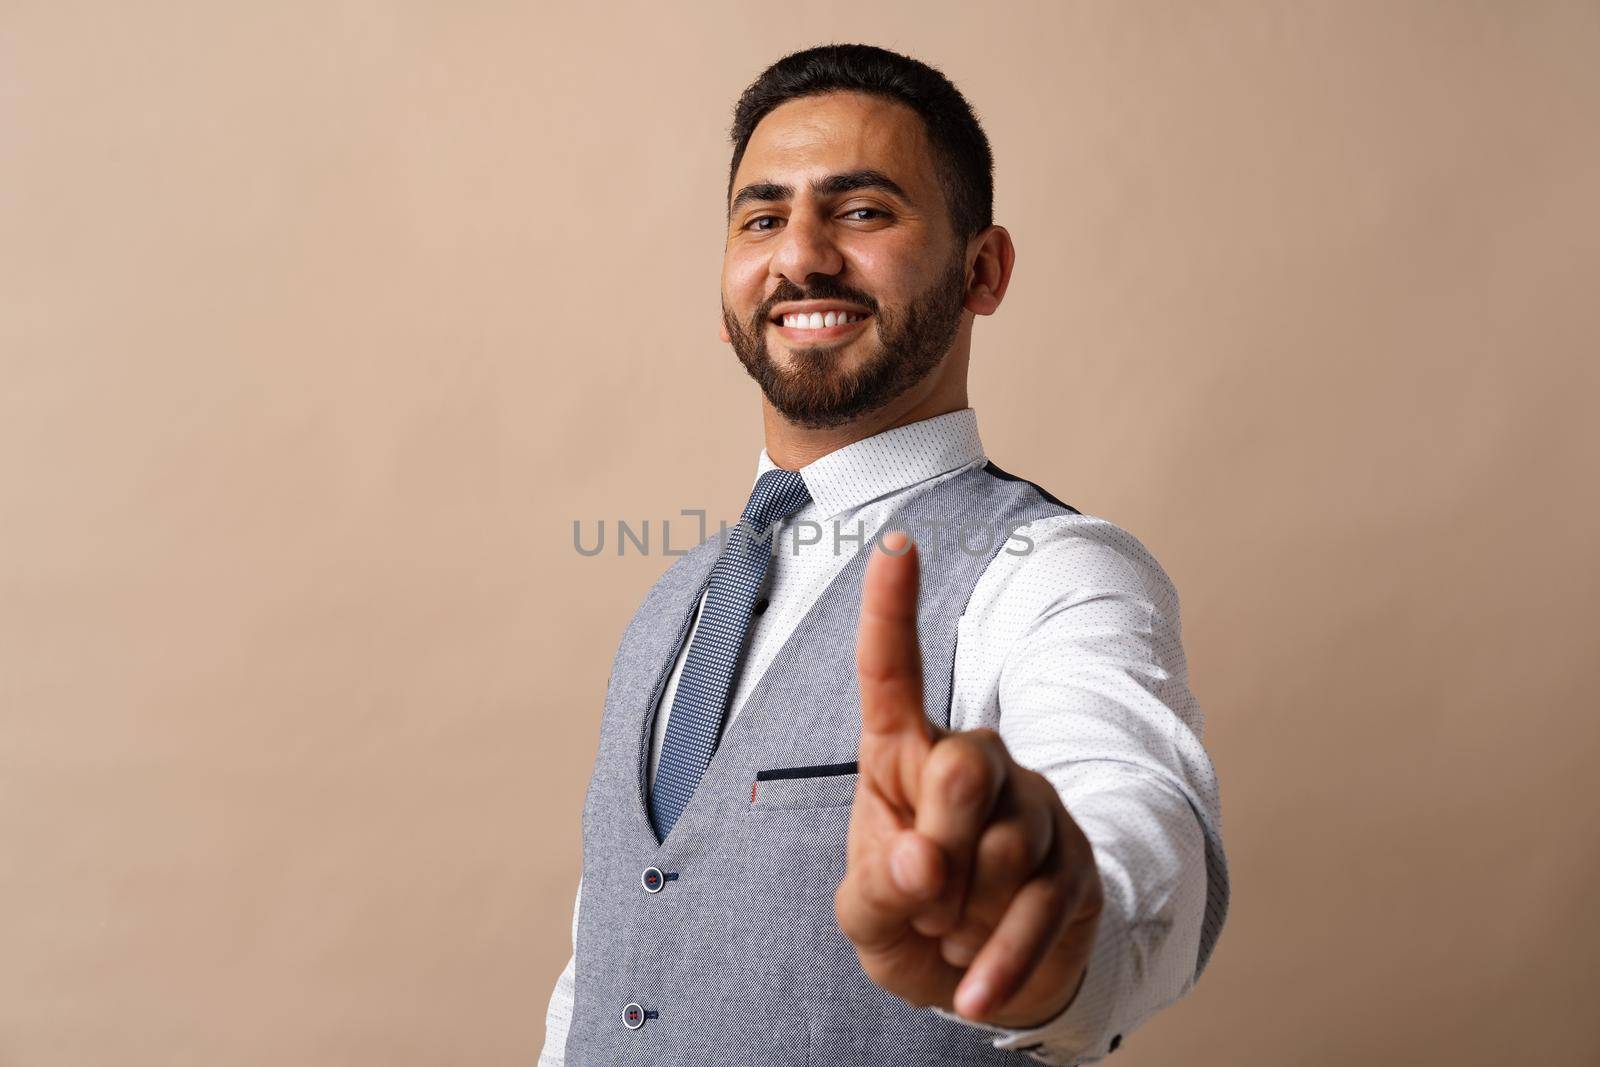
[830,785]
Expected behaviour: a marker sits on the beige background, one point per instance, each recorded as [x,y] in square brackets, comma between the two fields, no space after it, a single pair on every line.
[321,323]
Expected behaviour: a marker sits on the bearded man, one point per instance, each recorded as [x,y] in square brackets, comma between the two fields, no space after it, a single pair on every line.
[905,769]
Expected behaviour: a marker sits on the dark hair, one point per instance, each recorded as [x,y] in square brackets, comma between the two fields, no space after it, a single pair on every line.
[960,147]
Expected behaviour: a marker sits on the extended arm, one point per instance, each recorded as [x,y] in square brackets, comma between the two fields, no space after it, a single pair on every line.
[1093,693]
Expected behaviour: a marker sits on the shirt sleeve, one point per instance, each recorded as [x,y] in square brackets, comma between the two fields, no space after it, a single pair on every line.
[558,1016]
[1073,653]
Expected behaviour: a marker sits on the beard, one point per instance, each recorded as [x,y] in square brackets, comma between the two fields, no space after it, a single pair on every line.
[817,391]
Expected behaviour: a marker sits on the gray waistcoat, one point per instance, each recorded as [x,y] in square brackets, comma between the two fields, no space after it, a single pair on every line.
[719,945]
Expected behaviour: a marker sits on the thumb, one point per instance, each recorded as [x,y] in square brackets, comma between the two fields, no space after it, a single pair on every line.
[888,658]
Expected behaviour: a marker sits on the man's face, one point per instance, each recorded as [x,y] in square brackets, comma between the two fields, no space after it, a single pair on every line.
[836,207]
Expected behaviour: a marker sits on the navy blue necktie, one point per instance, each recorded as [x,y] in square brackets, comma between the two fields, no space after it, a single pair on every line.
[695,725]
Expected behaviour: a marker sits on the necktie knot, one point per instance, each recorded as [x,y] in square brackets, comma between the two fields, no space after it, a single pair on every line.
[777,495]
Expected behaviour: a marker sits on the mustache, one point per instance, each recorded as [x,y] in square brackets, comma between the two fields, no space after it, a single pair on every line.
[788,292]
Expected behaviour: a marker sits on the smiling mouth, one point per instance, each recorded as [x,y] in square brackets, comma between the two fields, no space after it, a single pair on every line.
[816,326]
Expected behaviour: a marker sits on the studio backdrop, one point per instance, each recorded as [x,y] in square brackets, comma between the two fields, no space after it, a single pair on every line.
[321,325]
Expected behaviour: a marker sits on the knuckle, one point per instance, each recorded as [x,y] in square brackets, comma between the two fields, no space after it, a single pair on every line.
[959,775]
[986,742]
[1067,885]
[1004,850]
[1080,871]
[1053,894]
[987,736]
[878,669]
[846,913]
[876,970]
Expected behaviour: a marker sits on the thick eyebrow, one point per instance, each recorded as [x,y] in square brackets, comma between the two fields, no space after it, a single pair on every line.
[832,185]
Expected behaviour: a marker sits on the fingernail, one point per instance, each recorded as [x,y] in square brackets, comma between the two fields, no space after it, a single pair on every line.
[895,543]
[972,999]
[955,953]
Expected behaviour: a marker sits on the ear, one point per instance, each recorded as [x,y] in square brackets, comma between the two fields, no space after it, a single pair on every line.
[722,330]
[991,270]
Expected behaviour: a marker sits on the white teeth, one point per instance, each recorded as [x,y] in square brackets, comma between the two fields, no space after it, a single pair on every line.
[817,320]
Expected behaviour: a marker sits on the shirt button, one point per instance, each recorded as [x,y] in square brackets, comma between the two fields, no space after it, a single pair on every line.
[653,879]
[633,1016]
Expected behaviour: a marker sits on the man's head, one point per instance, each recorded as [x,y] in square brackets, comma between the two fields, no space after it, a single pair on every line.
[861,184]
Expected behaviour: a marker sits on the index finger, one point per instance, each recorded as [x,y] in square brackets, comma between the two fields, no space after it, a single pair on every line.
[888,658]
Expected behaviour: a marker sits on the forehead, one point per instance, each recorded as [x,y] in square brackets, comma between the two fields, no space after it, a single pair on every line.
[839,132]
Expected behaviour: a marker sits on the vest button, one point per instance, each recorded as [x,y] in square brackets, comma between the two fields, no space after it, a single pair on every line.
[633,1016]
[653,879]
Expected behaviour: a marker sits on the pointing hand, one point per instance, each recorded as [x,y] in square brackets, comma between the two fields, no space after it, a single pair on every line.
[967,886]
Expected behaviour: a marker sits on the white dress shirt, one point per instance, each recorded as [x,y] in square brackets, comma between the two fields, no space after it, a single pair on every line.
[1072,652]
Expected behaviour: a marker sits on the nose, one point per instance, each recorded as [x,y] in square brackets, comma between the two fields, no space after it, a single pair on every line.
[805,249]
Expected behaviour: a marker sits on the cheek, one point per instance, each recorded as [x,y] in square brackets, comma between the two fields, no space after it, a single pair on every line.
[742,283]
[890,275]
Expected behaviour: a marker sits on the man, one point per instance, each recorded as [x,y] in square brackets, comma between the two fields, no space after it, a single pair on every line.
[864,798]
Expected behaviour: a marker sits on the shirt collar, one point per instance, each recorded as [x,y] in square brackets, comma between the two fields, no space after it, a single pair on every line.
[876,466]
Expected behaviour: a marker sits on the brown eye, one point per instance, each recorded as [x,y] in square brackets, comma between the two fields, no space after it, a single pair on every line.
[761,218]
